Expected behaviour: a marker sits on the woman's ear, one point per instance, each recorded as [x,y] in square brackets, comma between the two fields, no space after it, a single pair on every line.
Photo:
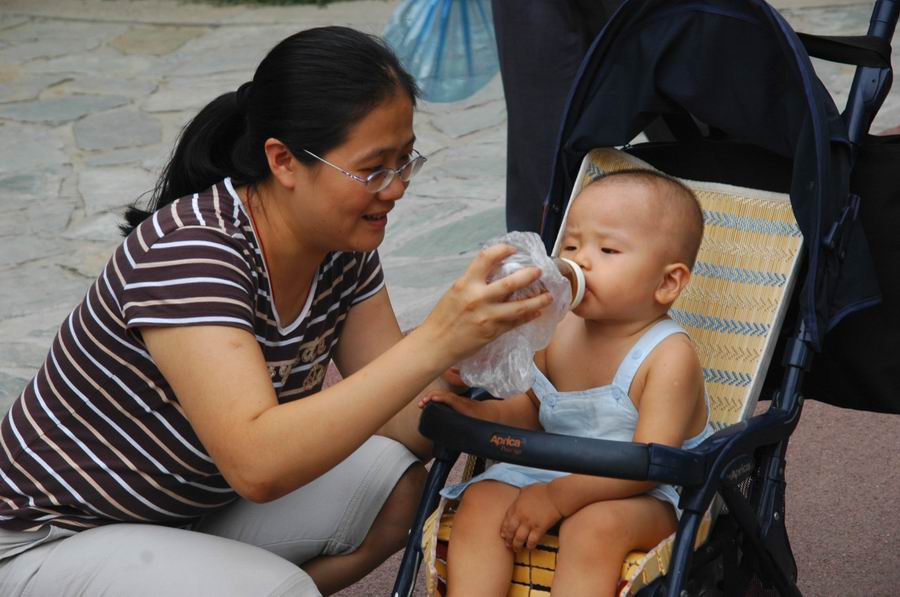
[282,164]
[675,278]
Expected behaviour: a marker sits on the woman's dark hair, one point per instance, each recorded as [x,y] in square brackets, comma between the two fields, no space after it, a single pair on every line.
[308,92]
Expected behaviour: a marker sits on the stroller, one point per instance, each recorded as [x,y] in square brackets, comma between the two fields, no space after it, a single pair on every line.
[751,126]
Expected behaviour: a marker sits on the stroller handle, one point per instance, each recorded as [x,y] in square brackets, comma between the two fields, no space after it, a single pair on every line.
[566,453]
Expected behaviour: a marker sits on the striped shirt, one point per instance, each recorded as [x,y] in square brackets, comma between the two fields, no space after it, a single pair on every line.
[98,435]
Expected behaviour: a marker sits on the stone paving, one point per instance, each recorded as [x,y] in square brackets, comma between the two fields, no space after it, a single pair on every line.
[94,92]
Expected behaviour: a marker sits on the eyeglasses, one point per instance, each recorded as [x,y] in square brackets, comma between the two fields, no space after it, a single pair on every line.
[380,179]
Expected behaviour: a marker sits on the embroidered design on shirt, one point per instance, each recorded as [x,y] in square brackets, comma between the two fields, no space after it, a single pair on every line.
[312,349]
[314,377]
[281,371]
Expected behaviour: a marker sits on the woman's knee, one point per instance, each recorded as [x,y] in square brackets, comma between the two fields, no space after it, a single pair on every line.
[129,559]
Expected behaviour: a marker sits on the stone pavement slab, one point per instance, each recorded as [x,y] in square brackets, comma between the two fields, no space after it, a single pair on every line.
[94,92]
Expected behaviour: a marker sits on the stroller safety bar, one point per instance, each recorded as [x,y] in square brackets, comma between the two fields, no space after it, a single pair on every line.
[581,455]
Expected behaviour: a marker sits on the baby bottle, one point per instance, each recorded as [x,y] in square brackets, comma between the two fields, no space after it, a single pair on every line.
[572,272]
[504,367]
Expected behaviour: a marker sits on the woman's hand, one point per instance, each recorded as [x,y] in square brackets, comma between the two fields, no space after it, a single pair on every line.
[529,517]
[472,312]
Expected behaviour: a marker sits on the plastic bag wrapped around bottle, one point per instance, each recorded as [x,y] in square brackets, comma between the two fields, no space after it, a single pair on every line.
[447,45]
[504,366]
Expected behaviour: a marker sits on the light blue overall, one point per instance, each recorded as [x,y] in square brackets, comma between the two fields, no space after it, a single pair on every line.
[605,412]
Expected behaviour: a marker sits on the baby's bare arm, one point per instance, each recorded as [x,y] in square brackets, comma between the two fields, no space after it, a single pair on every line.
[515,411]
[671,408]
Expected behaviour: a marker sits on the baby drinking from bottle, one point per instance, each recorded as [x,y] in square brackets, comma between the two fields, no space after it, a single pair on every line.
[617,368]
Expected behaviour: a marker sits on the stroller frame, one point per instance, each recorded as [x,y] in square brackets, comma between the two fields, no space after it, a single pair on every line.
[750,539]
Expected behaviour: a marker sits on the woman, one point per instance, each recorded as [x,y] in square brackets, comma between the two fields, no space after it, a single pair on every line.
[163,448]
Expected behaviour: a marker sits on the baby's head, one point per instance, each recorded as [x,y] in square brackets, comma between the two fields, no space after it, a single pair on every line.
[636,233]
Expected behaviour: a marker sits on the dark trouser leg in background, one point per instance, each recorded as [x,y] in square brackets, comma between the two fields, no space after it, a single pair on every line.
[540,45]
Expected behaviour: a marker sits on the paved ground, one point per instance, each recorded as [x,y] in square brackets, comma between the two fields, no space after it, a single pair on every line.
[93,93]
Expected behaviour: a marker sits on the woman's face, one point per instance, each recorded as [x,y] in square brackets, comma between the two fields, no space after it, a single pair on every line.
[335,211]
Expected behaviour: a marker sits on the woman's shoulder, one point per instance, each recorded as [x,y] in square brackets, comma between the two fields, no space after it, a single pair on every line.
[217,208]
[200,232]
[213,215]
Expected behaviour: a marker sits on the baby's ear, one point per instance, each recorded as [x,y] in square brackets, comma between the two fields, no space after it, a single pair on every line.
[675,278]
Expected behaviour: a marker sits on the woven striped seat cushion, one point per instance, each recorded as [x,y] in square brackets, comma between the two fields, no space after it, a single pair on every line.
[732,308]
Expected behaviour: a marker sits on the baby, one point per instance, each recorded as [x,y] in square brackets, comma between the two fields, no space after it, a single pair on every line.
[617,368]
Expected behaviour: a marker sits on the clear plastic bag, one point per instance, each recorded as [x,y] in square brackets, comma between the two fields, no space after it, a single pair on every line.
[447,45]
[504,366]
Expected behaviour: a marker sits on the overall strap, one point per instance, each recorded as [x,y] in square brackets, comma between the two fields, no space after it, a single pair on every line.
[643,347]
[541,385]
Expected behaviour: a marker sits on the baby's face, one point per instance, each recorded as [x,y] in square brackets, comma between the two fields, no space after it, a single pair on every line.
[612,234]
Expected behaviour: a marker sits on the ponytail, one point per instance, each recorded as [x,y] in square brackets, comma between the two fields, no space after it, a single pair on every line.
[203,155]
[307,92]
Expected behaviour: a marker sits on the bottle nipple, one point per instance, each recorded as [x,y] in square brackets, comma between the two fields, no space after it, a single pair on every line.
[573,273]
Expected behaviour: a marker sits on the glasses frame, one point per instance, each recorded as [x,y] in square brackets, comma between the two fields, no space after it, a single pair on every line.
[390,173]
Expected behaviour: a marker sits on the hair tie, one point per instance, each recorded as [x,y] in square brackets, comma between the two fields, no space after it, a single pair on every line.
[242,96]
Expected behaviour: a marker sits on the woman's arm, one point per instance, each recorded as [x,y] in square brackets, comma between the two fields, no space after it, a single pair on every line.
[371,328]
[264,449]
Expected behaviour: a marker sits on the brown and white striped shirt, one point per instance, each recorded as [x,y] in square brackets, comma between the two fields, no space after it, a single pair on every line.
[98,435]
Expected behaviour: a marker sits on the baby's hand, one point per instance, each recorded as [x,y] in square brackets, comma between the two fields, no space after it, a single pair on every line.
[461,404]
[447,397]
[453,379]
[529,517]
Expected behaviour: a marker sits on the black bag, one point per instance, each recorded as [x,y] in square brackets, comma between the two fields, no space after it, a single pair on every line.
[859,366]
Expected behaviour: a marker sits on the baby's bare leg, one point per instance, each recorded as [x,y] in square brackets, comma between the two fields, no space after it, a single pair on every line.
[478,561]
[594,541]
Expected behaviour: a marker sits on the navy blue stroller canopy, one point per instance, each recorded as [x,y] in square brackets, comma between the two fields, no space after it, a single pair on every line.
[738,69]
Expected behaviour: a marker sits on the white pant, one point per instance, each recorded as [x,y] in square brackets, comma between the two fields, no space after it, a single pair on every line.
[244,550]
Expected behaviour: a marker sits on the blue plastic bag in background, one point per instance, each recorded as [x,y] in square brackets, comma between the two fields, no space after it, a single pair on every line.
[447,45]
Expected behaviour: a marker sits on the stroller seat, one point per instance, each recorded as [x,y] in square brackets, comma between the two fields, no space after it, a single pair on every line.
[733,309]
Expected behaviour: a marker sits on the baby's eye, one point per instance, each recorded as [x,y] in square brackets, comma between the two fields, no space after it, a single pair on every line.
[609,251]
[569,248]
